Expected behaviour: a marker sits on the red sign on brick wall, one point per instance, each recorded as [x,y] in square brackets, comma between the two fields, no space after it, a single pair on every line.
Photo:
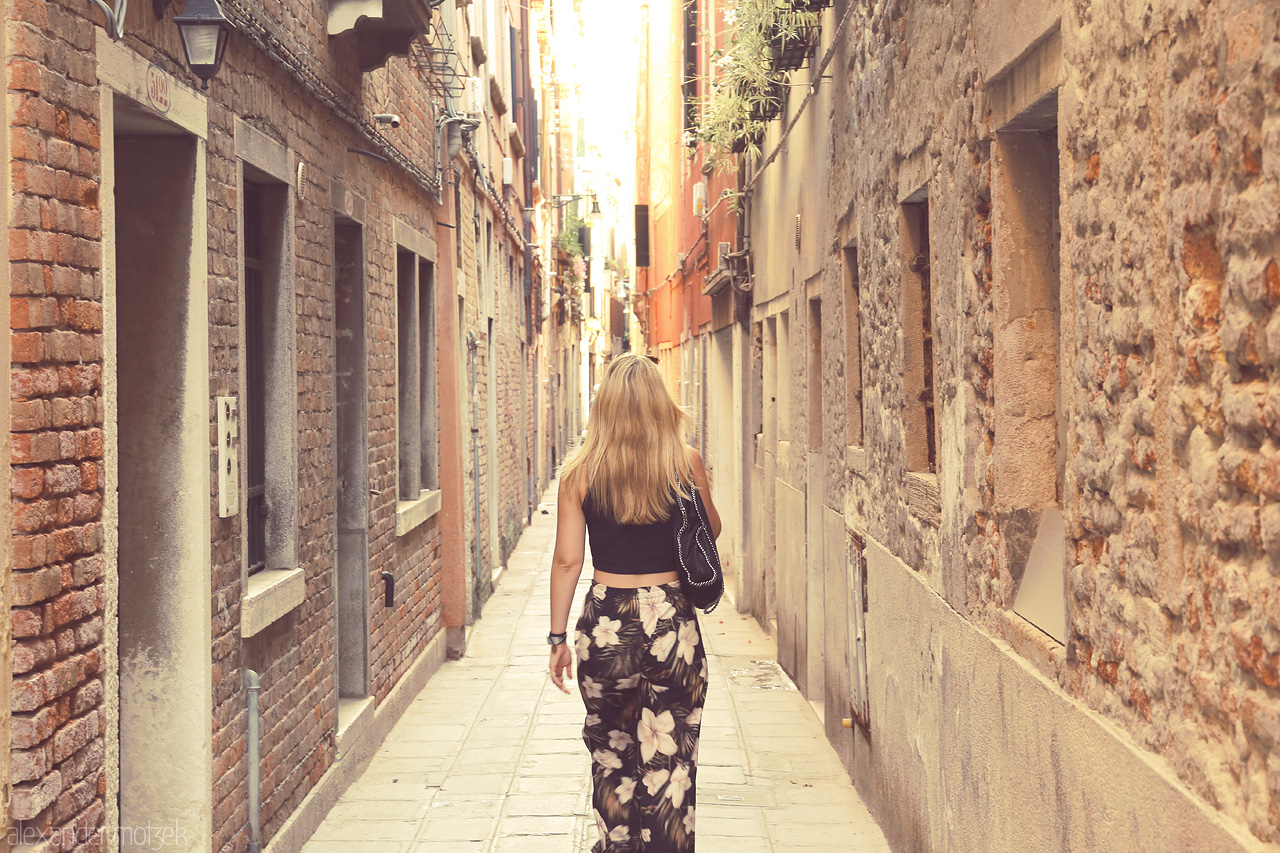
[159,92]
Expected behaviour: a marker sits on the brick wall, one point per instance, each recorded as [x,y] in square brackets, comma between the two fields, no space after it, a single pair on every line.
[59,719]
[56,763]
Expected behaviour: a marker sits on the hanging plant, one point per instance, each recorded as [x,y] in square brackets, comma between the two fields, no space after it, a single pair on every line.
[749,140]
[791,34]
[742,89]
[567,242]
[766,105]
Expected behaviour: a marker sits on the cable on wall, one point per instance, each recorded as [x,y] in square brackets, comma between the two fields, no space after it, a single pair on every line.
[273,46]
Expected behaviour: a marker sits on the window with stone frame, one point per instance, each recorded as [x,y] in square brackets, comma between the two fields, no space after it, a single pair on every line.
[917,319]
[852,347]
[269,382]
[1030,420]
[814,379]
[417,419]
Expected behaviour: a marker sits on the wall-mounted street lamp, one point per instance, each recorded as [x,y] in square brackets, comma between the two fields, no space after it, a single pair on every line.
[205,30]
[559,201]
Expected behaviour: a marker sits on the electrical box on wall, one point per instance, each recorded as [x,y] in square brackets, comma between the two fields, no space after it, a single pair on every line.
[228,456]
[475,96]
[700,198]
[508,171]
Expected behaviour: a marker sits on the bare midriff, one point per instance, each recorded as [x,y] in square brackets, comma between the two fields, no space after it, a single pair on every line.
[635,581]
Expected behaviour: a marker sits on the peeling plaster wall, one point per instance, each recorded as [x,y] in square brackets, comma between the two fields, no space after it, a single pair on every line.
[998,758]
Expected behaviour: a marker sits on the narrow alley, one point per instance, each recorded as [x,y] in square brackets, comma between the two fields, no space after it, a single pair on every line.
[968,312]
[489,756]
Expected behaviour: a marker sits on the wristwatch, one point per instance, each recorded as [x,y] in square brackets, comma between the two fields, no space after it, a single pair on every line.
[557,639]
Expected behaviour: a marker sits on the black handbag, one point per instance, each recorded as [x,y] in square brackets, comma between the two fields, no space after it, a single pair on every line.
[700,575]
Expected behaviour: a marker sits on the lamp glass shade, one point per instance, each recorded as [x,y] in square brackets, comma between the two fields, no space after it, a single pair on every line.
[201,43]
[205,31]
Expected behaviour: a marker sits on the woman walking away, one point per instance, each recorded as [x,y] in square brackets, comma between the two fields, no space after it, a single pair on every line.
[642,669]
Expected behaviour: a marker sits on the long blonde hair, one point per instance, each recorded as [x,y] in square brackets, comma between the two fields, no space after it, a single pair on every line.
[635,456]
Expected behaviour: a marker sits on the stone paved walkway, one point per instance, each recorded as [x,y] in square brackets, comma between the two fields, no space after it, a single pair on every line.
[489,757]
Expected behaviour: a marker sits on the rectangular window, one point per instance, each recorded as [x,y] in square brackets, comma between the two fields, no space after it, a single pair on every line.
[815,374]
[427,360]
[255,409]
[270,371]
[1030,420]
[690,84]
[783,384]
[917,318]
[856,583]
[769,390]
[416,370]
[852,348]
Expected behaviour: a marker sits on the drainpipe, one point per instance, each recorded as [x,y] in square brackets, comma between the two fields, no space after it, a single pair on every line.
[473,344]
[255,797]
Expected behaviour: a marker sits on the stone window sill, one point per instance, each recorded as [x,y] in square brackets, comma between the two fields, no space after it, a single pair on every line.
[354,716]
[412,514]
[855,458]
[924,498]
[270,595]
[1032,644]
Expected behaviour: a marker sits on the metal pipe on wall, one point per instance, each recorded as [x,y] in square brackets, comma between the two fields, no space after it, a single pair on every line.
[473,345]
[255,796]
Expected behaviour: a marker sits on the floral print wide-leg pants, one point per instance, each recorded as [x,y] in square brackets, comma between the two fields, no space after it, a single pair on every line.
[642,670]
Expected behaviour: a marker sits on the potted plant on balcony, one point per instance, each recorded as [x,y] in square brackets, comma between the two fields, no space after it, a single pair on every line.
[727,124]
[765,103]
[790,34]
[749,139]
[743,90]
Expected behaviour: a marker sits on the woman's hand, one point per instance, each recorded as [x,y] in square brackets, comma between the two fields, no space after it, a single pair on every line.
[561,668]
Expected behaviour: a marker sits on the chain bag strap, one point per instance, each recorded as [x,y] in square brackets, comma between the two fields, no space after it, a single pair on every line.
[700,574]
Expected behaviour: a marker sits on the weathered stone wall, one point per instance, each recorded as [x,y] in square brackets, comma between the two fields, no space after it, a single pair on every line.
[1175,631]
[1168,286]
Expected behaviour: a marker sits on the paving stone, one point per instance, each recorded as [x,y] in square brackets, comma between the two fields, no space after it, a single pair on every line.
[457,829]
[541,804]
[346,847]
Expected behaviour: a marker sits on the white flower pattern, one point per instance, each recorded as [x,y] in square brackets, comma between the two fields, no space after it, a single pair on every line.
[626,789]
[606,632]
[584,647]
[591,688]
[661,648]
[688,641]
[654,780]
[619,740]
[679,784]
[654,734]
[608,760]
[653,605]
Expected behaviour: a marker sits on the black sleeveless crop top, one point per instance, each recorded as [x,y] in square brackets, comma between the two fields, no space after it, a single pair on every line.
[629,549]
